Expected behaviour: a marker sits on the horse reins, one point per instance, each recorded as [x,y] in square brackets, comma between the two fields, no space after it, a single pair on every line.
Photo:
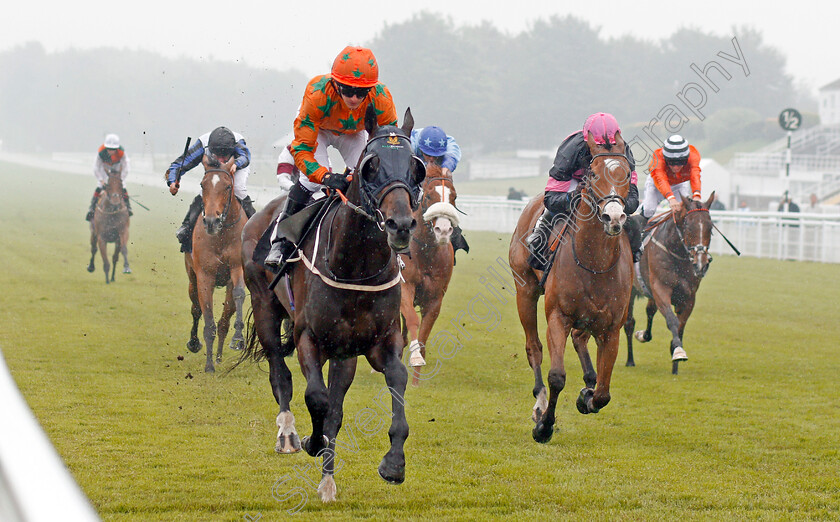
[224,215]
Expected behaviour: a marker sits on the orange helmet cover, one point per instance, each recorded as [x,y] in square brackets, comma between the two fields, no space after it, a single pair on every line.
[356,67]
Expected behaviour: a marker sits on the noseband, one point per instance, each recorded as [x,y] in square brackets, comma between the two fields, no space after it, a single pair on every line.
[594,202]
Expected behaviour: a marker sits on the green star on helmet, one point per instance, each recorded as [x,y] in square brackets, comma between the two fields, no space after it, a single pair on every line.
[350,123]
[357,73]
[345,57]
[371,63]
[326,109]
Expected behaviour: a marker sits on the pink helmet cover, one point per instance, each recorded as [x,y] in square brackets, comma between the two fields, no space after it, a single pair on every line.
[603,126]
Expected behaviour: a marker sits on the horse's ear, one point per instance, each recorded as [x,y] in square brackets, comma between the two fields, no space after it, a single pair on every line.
[590,141]
[408,122]
[619,141]
[708,203]
[370,119]
[685,200]
[205,160]
[229,163]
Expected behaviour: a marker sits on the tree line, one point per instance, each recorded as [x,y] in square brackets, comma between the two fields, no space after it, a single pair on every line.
[495,92]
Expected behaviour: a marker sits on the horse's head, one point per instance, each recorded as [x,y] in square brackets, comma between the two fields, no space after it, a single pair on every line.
[694,226]
[607,183]
[114,187]
[438,203]
[389,178]
[216,193]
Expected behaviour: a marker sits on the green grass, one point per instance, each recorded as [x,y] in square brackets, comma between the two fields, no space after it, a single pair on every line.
[748,430]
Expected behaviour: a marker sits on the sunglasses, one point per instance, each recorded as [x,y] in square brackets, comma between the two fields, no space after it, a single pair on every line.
[358,92]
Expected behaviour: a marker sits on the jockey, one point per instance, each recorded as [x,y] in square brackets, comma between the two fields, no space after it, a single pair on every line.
[109,156]
[433,145]
[570,163]
[218,146]
[332,113]
[675,168]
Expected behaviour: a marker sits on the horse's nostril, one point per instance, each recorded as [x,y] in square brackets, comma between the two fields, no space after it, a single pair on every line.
[413,224]
[390,224]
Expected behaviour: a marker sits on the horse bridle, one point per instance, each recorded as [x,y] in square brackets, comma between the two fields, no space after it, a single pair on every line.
[699,248]
[371,202]
[595,203]
[223,217]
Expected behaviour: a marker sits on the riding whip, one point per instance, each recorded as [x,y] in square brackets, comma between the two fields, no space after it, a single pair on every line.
[183,159]
[727,241]
[134,200]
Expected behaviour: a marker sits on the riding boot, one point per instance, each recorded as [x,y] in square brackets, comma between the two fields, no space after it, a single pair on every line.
[127,203]
[281,248]
[539,239]
[247,206]
[184,233]
[93,202]
[458,241]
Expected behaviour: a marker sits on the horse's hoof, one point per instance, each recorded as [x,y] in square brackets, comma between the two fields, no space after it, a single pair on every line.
[218,359]
[584,401]
[209,369]
[392,474]
[194,345]
[641,337]
[542,433]
[126,270]
[237,344]
[630,363]
[327,489]
[307,444]
[679,354]
[91,268]
[287,444]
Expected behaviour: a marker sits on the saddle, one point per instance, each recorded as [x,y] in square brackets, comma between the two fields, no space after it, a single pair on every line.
[292,228]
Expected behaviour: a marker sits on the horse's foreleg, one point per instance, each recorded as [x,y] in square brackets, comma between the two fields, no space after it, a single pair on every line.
[556,336]
[237,342]
[315,396]
[193,345]
[429,314]
[526,305]
[124,250]
[416,352]
[204,288]
[607,354]
[646,335]
[280,378]
[115,259]
[93,241]
[683,310]
[580,338]
[629,327]
[103,251]
[341,375]
[392,467]
[223,325]
[662,296]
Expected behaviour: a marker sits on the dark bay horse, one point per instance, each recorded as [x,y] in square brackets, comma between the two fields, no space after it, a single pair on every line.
[587,288]
[341,300]
[428,266]
[673,263]
[216,260]
[110,225]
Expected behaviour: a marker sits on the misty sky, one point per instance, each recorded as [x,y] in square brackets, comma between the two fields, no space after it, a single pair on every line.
[307,35]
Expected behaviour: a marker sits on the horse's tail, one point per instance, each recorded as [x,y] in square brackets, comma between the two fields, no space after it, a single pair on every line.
[255,351]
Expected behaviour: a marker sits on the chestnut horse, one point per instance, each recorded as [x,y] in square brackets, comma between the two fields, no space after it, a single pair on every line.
[110,225]
[671,273]
[216,260]
[587,287]
[428,266]
[341,299]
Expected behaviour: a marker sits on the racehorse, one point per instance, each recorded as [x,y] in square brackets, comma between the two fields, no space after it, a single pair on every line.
[341,299]
[110,225]
[428,266]
[671,273]
[216,260]
[587,287]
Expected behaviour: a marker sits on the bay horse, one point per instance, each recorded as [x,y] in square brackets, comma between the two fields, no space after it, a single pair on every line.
[110,225]
[429,263]
[672,265]
[587,288]
[216,260]
[341,299]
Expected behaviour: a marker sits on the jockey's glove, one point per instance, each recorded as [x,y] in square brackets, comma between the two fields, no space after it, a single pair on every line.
[337,181]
